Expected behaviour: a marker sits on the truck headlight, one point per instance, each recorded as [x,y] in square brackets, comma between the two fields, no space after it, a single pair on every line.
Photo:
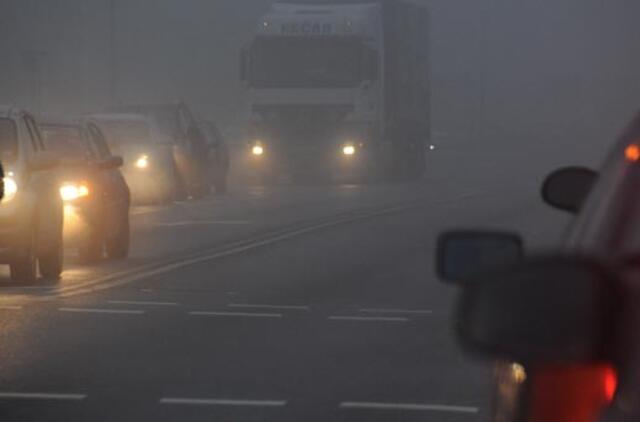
[257,150]
[10,188]
[72,191]
[142,162]
[349,149]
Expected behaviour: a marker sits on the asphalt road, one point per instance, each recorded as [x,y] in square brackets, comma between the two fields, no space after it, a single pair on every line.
[291,303]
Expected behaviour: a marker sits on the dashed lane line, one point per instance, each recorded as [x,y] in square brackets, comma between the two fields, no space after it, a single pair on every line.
[222,402]
[103,311]
[5,395]
[261,306]
[235,314]
[142,303]
[368,319]
[426,407]
[396,311]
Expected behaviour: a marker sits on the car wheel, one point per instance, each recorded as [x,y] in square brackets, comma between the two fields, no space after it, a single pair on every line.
[25,264]
[51,262]
[118,246]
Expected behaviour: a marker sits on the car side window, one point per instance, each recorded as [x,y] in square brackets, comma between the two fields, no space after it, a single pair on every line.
[98,142]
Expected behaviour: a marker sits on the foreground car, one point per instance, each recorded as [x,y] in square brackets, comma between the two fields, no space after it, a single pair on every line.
[95,194]
[31,210]
[562,325]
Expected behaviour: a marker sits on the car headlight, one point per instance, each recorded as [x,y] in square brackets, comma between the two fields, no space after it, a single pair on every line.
[257,150]
[142,162]
[10,188]
[348,149]
[73,191]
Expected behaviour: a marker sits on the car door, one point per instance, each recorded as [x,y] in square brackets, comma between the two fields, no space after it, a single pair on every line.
[115,189]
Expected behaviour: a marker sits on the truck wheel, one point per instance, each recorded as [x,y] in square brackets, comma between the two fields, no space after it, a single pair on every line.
[118,246]
[25,264]
[91,249]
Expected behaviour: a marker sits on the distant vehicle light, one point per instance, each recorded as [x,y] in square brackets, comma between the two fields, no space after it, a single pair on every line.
[10,188]
[519,373]
[349,149]
[142,162]
[432,147]
[257,150]
[72,191]
[610,383]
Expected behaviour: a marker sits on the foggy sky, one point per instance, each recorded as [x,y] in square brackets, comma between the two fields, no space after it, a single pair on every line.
[518,75]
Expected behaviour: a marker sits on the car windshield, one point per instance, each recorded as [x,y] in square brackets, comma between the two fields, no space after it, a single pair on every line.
[8,141]
[126,132]
[290,62]
[67,141]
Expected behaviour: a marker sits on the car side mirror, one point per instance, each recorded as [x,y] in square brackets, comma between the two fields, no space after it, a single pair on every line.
[42,161]
[568,188]
[546,310]
[111,163]
[461,254]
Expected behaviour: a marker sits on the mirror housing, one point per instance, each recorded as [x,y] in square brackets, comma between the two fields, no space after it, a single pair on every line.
[568,188]
[547,310]
[111,163]
[42,161]
[461,254]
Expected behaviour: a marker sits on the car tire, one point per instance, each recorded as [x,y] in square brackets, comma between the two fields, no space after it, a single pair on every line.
[24,266]
[51,262]
[118,246]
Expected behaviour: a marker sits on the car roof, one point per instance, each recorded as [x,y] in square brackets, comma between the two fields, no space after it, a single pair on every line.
[57,120]
[118,117]
[8,111]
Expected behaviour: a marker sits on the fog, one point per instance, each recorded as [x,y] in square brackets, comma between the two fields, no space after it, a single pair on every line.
[532,77]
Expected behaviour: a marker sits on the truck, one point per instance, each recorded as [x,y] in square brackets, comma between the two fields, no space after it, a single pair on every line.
[339,88]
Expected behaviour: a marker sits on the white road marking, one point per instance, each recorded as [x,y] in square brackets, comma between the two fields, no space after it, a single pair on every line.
[408,406]
[235,314]
[103,311]
[11,307]
[41,396]
[142,303]
[372,319]
[222,402]
[203,223]
[143,272]
[396,311]
[249,305]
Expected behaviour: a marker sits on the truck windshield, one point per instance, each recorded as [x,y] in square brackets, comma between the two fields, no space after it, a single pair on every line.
[8,141]
[306,62]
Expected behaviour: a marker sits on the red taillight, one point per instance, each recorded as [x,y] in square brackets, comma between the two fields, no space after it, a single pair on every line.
[577,393]
[632,153]
[610,381]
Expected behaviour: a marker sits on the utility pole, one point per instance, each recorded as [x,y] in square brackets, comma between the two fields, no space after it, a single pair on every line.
[113,74]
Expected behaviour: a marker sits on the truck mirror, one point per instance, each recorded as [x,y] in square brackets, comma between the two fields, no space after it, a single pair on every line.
[548,310]
[463,254]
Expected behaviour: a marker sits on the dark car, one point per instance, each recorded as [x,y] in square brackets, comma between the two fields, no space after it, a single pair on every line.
[95,194]
[181,146]
[562,326]
[31,215]
[219,162]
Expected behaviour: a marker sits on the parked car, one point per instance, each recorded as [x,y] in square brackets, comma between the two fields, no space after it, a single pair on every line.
[219,162]
[31,216]
[94,191]
[562,326]
[180,143]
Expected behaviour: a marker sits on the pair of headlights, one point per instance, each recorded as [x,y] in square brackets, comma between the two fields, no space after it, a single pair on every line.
[348,149]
